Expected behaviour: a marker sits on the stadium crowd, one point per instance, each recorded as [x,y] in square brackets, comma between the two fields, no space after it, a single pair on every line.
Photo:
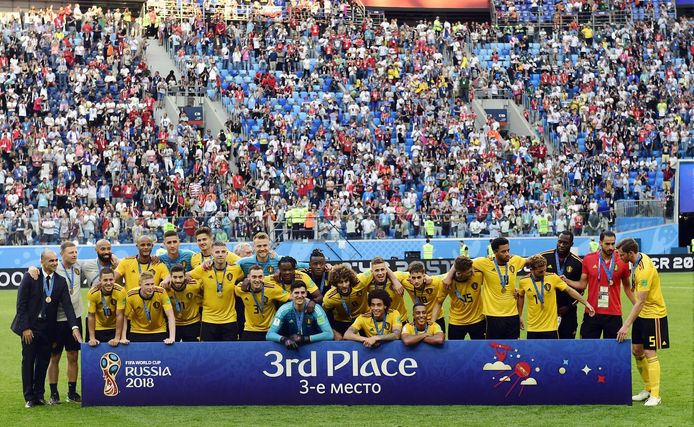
[336,128]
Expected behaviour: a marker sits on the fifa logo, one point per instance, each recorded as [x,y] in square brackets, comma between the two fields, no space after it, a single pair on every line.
[110,365]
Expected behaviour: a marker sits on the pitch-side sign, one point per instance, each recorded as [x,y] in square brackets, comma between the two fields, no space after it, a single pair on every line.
[523,372]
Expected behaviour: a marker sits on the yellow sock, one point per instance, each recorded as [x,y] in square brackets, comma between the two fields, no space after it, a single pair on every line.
[654,375]
[642,366]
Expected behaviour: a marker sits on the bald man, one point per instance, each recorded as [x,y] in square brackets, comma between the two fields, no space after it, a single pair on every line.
[129,269]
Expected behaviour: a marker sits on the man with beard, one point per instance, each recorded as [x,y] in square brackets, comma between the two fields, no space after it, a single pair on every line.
[148,308]
[562,262]
[287,274]
[104,258]
[346,299]
[260,306]
[318,270]
[203,237]
[105,308]
[379,325]
[603,272]
[130,269]
[379,276]
[464,286]
[186,299]
[423,289]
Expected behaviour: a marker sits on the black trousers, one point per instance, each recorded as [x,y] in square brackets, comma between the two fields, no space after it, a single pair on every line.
[35,359]
[253,336]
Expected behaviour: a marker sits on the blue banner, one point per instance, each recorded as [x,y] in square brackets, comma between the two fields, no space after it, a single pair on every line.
[525,372]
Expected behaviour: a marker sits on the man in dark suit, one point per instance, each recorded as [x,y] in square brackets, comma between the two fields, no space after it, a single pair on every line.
[36,323]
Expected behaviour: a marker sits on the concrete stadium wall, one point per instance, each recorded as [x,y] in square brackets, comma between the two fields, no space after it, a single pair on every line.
[655,240]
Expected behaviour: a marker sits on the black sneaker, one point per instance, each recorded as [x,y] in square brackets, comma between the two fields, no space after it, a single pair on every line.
[39,402]
[29,404]
[74,397]
[54,400]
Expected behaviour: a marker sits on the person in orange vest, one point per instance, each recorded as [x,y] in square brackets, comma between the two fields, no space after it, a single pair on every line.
[310,223]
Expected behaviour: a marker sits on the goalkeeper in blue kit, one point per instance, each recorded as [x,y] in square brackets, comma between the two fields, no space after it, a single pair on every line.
[293,325]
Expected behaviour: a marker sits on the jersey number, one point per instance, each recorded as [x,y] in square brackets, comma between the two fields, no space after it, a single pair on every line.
[467,298]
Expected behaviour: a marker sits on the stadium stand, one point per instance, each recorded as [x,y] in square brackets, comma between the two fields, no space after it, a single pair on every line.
[340,124]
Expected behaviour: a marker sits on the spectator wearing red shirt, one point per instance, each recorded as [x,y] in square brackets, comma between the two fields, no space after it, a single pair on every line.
[603,272]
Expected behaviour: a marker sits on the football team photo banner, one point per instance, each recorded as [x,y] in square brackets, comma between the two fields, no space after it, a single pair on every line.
[524,372]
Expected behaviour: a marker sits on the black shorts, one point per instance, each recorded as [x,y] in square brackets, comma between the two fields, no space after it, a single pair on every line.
[155,337]
[341,327]
[105,335]
[442,324]
[253,336]
[503,328]
[64,339]
[219,331]
[600,326]
[651,333]
[568,325]
[545,335]
[476,331]
[188,333]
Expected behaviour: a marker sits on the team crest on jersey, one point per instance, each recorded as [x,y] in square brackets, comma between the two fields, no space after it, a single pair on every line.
[475,285]
[157,305]
[113,301]
[429,291]
[270,269]
[309,321]
[77,271]
[569,269]
[230,277]
[512,269]
[547,287]
[189,295]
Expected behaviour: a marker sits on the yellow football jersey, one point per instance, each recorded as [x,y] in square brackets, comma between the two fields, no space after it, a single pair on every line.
[645,278]
[298,276]
[497,300]
[367,325]
[428,295]
[357,303]
[104,307]
[147,315]
[542,317]
[433,329]
[397,301]
[131,268]
[466,301]
[218,308]
[197,259]
[186,304]
[260,310]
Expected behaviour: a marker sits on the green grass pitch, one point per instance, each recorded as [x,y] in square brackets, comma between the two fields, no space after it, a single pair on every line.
[676,390]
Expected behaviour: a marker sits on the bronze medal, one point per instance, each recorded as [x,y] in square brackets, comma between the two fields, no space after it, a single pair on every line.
[219,294]
[48,300]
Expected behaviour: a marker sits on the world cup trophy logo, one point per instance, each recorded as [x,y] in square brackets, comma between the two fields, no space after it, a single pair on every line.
[110,365]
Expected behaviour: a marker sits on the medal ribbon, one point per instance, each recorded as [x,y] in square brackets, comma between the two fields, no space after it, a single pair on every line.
[541,292]
[345,307]
[70,278]
[107,310]
[503,279]
[560,267]
[220,285]
[48,286]
[147,313]
[633,270]
[383,325]
[299,320]
[139,269]
[260,305]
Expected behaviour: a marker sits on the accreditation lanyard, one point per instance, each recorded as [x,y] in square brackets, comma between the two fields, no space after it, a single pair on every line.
[503,279]
[70,278]
[457,293]
[345,306]
[560,267]
[633,270]
[107,310]
[299,315]
[139,269]
[539,292]
[608,271]
[322,283]
[177,302]
[220,285]
[260,305]
[383,325]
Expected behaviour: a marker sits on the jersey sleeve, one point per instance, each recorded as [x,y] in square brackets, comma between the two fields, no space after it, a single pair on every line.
[163,270]
[273,332]
[358,324]
[521,286]
[558,283]
[441,293]
[329,302]
[479,263]
[166,302]
[435,328]
[644,278]
[120,269]
[197,273]
[92,301]
[518,262]
[121,295]
[326,333]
